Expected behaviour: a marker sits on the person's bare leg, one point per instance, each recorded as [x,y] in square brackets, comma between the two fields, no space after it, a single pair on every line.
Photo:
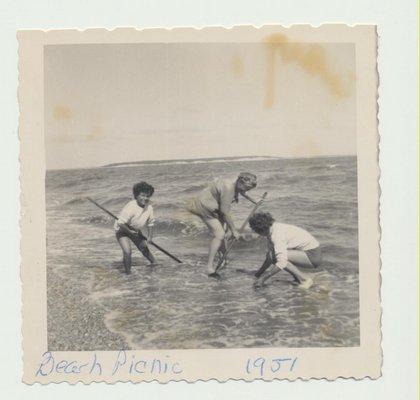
[299,258]
[148,254]
[216,229]
[221,253]
[125,244]
[144,249]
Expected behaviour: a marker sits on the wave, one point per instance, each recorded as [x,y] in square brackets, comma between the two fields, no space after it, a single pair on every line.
[191,230]
[75,201]
[329,206]
[172,228]
[183,162]
[63,184]
[117,202]
[98,219]
[91,178]
[193,189]
[67,179]
[324,167]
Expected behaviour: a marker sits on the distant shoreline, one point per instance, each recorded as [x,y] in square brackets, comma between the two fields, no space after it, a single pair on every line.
[190,161]
[198,161]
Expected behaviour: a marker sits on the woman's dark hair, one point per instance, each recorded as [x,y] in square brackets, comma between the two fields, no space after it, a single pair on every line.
[143,187]
[261,221]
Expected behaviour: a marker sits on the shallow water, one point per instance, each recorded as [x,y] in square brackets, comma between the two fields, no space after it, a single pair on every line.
[176,305]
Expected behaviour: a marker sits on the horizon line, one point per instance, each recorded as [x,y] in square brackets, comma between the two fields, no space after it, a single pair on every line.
[122,163]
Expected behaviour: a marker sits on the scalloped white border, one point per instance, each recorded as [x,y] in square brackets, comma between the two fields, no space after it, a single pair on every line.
[222,365]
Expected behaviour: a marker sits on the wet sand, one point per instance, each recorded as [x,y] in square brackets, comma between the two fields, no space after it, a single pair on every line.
[73,317]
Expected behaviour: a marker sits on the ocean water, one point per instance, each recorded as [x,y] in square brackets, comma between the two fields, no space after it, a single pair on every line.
[176,305]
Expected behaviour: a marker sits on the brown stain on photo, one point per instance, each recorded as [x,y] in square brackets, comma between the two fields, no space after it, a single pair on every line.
[237,66]
[62,113]
[312,58]
[94,132]
[307,147]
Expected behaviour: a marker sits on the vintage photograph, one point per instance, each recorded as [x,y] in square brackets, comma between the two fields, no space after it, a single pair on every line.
[204,192]
[180,142]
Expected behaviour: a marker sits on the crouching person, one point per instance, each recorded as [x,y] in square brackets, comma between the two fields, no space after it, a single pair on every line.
[289,246]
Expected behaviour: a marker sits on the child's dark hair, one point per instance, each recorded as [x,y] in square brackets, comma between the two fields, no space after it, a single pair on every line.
[261,221]
[143,187]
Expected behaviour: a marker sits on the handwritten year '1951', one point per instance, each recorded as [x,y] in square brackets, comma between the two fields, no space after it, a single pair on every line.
[273,365]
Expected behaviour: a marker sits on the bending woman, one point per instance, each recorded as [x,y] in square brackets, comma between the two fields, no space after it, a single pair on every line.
[213,205]
[289,247]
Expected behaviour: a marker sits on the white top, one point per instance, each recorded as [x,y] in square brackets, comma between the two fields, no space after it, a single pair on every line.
[285,237]
[135,216]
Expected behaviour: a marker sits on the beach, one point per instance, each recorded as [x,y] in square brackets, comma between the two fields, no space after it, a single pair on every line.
[94,305]
[74,318]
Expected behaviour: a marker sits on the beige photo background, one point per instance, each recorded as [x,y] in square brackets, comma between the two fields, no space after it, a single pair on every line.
[398,116]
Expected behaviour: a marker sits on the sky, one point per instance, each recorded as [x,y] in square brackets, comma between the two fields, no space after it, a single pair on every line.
[110,103]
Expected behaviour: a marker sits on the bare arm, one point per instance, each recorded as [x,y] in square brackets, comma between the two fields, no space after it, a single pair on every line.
[229,221]
[267,262]
[274,270]
[249,198]
[260,282]
[226,197]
